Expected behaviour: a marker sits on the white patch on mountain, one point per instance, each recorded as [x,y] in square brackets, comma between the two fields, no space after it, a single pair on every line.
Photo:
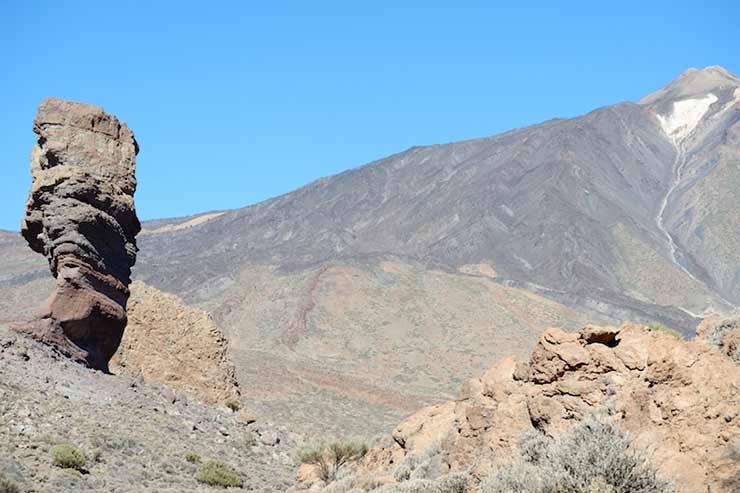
[685,116]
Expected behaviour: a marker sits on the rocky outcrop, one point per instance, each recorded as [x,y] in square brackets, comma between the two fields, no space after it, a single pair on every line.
[678,399]
[80,214]
[169,342]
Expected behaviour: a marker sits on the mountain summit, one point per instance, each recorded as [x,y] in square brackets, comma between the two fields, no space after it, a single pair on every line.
[693,82]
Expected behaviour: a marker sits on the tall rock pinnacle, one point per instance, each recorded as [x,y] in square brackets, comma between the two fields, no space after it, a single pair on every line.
[80,214]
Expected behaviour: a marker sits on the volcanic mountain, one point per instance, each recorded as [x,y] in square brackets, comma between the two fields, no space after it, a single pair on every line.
[362,296]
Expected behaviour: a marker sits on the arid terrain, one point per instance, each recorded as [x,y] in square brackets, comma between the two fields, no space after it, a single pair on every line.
[135,435]
[361,297]
[677,399]
[370,247]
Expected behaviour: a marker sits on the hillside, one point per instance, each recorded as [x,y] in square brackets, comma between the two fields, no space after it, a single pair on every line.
[362,296]
[568,205]
[135,435]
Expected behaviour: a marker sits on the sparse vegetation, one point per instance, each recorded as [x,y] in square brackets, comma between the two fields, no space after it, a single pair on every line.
[216,473]
[716,334]
[402,473]
[192,457]
[233,403]
[658,327]
[368,484]
[250,440]
[330,458]
[594,456]
[716,337]
[426,465]
[450,483]
[67,456]
[96,454]
[7,485]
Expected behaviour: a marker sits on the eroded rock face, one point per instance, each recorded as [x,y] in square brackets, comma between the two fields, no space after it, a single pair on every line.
[169,342]
[80,214]
[679,399]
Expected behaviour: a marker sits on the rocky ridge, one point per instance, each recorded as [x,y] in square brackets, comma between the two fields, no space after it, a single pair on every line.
[678,399]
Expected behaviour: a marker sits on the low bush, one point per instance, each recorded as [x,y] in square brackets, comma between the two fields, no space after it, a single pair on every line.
[594,456]
[7,485]
[402,473]
[67,456]
[192,457]
[450,483]
[233,403]
[330,458]
[96,455]
[426,465]
[216,473]
[658,327]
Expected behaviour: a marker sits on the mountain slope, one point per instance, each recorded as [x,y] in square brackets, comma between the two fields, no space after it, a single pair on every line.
[563,205]
[381,288]
[701,209]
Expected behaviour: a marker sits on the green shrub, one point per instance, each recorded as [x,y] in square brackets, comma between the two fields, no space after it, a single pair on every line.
[216,473]
[67,456]
[594,456]
[7,485]
[658,327]
[330,458]
[310,453]
[192,457]
[233,403]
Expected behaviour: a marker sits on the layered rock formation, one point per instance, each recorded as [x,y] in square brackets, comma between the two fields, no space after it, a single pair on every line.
[678,399]
[169,342]
[80,214]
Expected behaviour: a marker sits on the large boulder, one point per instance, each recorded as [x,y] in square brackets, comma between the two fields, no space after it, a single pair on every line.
[168,342]
[80,214]
[677,399]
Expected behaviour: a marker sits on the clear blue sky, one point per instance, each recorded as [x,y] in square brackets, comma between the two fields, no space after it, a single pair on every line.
[235,102]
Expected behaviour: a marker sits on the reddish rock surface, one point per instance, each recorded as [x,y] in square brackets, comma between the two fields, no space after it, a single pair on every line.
[80,214]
